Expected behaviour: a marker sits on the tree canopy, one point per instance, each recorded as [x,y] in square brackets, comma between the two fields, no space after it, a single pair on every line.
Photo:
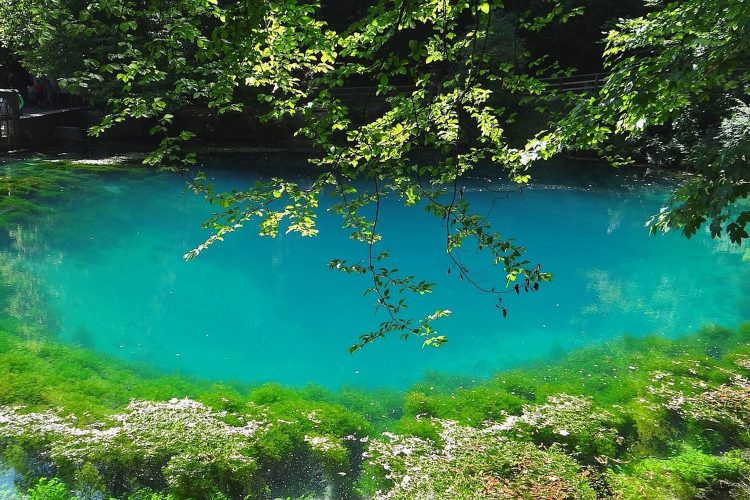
[680,72]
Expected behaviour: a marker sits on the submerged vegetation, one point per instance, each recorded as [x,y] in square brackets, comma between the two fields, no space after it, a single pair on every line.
[29,187]
[632,418]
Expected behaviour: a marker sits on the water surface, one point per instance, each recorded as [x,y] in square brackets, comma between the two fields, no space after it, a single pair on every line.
[259,309]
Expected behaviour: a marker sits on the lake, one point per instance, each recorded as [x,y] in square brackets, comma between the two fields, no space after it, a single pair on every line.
[258,309]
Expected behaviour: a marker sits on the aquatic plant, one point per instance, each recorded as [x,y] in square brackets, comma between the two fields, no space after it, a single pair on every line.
[689,474]
[572,422]
[179,445]
[49,489]
[31,188]
[471,463]
[22,299]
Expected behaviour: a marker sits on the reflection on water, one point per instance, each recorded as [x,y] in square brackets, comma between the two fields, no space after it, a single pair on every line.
[7,482]
[260,309]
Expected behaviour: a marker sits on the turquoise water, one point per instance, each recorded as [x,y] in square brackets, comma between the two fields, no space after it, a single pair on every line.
[259,309]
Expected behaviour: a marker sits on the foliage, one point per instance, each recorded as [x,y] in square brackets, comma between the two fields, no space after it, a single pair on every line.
[31,31]
[678,73]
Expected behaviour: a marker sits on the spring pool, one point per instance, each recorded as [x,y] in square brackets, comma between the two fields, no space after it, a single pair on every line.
[255,309]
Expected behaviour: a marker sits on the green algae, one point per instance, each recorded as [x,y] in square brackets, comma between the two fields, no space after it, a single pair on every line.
[689,474]
[647,438]
[474,463]
[30,188]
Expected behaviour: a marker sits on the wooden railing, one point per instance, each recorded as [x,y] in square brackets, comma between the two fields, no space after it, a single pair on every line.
[573,83]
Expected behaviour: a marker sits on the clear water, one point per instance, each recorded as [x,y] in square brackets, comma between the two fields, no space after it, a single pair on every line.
[258,309]
[8,478]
